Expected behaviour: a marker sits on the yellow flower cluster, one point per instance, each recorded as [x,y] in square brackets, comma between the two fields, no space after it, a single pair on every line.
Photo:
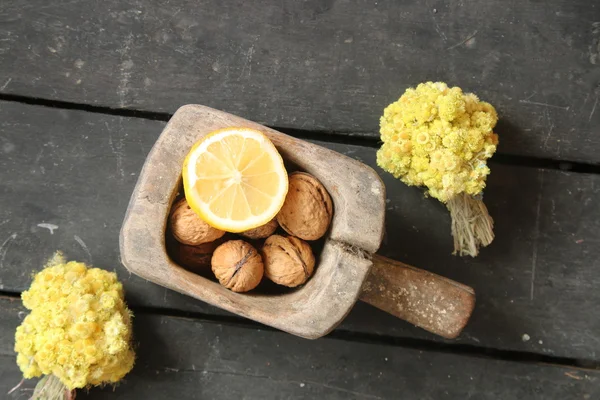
[438,137]
[79,328]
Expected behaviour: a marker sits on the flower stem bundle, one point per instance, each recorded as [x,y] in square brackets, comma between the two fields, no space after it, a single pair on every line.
[439,138]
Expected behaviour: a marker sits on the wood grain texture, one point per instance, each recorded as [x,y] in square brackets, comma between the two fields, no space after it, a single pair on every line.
[188,359]
[77,170]
[427,300]
[319,65]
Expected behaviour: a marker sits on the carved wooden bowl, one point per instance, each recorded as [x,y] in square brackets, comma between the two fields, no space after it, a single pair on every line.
[311,311]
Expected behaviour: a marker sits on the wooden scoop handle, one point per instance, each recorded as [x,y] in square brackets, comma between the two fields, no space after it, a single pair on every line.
[429,301]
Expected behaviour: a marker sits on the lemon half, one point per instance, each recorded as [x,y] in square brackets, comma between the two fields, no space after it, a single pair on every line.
[235,179]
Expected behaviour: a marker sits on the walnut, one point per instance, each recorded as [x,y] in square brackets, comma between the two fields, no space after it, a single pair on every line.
[194,258]
[189,228]
[263,231]
[237,265]
[307,210]
[289,261]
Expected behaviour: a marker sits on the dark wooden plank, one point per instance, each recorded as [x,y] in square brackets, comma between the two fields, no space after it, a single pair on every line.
[188,359]
[319,65]
[76,170]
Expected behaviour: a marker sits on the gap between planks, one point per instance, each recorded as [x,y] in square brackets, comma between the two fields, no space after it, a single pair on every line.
[331,136]
[367,338]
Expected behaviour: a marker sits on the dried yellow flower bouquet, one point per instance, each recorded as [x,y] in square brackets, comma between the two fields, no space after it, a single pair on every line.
[441,138]
[78,333]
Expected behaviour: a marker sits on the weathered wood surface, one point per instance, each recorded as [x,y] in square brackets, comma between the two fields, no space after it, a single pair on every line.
[429,301]
[76,170]
[188,359]
[320,64]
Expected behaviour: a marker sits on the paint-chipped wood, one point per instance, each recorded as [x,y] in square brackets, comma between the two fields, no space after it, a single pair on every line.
[77,170]
[191,359]
[317,65]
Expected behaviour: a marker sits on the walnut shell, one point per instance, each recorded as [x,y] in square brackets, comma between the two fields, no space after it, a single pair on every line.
[308,209]
[237,265]
[263,231]
[188,228]
[194,258]
[289,261]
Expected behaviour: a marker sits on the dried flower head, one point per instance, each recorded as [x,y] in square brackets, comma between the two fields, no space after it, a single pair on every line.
[438,137]
[79,328]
